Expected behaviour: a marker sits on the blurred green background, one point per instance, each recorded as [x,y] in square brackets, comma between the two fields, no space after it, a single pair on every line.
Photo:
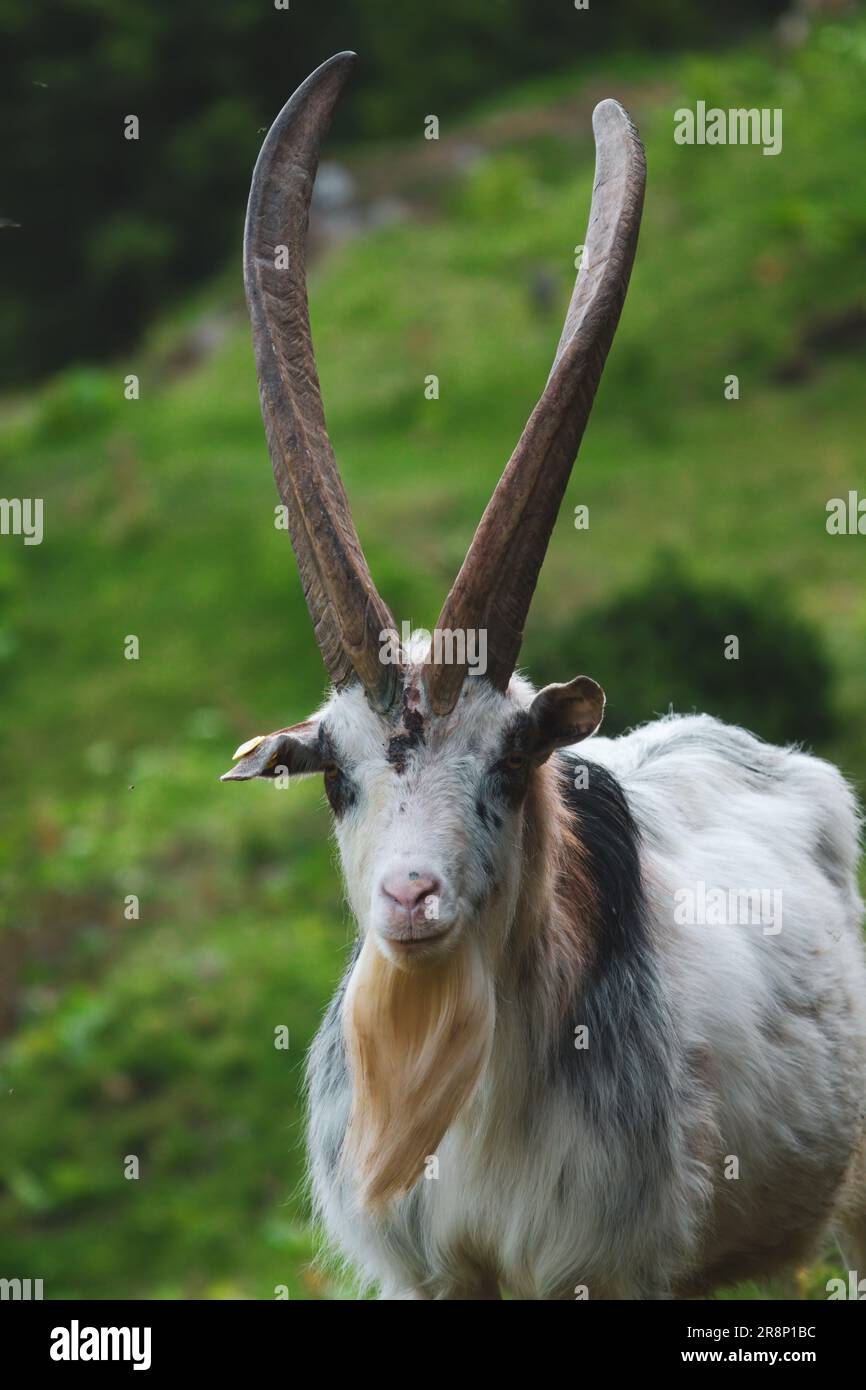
[155,1036]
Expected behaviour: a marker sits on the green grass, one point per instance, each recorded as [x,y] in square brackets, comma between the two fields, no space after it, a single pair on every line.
[155,1037]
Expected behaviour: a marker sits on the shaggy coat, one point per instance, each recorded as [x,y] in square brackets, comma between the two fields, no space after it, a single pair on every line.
[596,1095]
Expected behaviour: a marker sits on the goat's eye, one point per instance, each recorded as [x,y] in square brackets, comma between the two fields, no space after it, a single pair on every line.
[332,772]
[514,761]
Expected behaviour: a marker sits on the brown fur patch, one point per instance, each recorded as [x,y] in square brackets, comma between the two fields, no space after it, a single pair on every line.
[557,907]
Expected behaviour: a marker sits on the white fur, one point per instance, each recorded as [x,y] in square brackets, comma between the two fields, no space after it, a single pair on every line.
[765,1034]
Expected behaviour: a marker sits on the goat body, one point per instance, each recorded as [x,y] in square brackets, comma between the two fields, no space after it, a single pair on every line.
[666,1105]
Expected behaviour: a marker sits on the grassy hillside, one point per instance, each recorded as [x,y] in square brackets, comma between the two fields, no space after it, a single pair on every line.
[155,1037]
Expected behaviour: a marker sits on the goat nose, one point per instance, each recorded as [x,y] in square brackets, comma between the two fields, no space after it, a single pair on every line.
[410,890]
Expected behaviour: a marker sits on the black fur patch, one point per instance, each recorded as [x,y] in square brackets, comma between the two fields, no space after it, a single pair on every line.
[341,790]
[623,1077]
[508,784]
[411,736]
[610,838]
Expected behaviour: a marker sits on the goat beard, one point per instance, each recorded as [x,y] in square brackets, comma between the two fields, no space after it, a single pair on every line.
[418,1041]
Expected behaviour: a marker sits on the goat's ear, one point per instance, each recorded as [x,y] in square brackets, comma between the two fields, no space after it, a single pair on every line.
[294,751]
[564,714]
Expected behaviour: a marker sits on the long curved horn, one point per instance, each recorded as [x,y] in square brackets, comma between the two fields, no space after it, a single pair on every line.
[348,614]
[494,588]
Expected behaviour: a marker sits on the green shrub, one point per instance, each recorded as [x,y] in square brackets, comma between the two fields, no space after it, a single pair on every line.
[661,646]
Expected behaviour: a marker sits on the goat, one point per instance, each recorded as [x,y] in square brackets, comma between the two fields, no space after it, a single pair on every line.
[538,1073]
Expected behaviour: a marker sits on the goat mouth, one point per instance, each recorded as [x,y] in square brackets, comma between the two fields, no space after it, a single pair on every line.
[404,939]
